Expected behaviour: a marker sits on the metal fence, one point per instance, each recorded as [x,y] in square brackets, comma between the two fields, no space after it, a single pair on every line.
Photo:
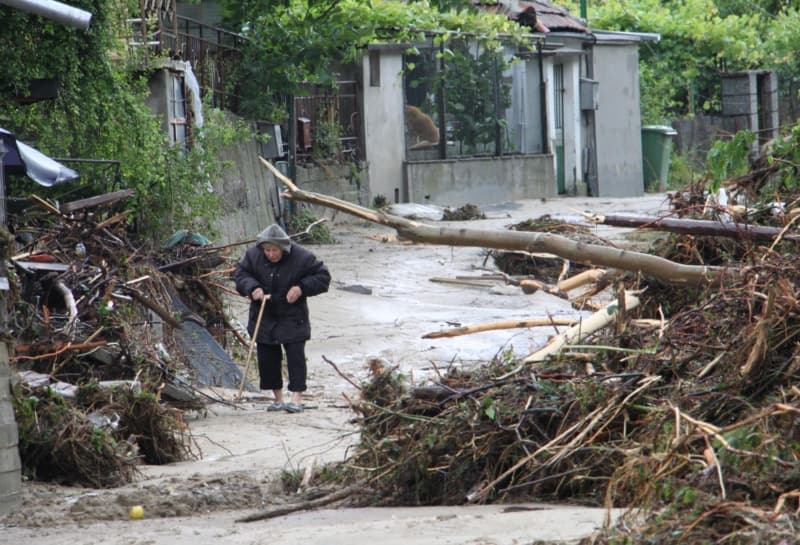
[214,53]
[328,119]
[328,122]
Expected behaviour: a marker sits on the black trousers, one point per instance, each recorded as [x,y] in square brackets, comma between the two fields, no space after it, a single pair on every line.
[270,357]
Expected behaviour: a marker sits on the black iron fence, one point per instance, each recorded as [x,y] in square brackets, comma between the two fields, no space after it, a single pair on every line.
[327,118]
[328,122]
[213,52]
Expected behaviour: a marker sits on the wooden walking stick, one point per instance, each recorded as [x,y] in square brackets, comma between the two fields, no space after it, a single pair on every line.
[252,345]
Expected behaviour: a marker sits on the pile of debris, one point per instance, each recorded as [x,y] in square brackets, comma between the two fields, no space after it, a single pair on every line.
[111,340]
[677,399]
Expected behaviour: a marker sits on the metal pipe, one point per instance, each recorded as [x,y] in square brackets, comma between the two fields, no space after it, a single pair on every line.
[542,98]
[49,9]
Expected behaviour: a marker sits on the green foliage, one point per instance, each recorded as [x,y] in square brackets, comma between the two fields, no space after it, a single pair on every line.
[326,139]
[788,149]
[698,40]
[313,231]
[488,408]
[298,41]
[183,196]
[101,112]
[290,480]
[729,158]
[469,88]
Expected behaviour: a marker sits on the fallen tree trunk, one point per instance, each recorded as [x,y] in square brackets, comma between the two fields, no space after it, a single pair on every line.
[742,231]
[576,251]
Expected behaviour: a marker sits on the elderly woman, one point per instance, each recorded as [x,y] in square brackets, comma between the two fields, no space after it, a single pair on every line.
[283,274]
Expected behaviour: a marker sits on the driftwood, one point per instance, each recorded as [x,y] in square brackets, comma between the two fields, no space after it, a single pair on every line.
[163,314]
[46,205]
[730,229]
[247,360]
[591,276]
[58,349]
[303,506]
[503,324]
[69,301]
[527,285]
[116,218]
[595,322]
[108,198]
[580,252]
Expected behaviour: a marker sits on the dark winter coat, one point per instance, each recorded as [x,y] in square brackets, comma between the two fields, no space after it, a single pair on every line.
[281,322]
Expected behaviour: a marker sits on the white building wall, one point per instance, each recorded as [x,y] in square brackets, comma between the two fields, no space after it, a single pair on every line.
[384,124]
[572,123]
[618,120]
[572,119]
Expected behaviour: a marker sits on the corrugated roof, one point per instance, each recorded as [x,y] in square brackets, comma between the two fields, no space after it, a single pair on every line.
[555,18]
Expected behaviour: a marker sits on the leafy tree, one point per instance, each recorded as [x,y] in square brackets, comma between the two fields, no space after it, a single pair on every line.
[699,39]
[469,88]
[297,41]
[101,113]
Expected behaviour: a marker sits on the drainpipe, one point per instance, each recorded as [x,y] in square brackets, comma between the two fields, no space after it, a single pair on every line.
[56,11]
[542,98]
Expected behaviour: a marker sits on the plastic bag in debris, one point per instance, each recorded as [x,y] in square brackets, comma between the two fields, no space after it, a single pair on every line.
[103,421]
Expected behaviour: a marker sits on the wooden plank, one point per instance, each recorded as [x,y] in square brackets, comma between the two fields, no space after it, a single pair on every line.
[97,200]
[39,266]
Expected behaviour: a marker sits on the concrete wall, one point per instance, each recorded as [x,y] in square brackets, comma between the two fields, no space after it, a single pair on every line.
[249,194]
[484,180]
[10,479]
[384,123]
[618,120]
[348,182]
[251,199]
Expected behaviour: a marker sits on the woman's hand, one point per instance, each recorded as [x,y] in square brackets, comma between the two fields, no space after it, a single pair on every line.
[257,294]
[293,294]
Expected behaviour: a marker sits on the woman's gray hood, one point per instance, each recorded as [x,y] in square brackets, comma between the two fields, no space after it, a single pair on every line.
[275,236]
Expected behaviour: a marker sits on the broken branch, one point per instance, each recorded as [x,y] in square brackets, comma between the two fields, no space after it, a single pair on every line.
[532,242]
[503,324]
[730,229]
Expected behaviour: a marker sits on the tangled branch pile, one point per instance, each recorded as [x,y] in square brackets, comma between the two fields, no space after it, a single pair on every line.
[692,423]
[103,384]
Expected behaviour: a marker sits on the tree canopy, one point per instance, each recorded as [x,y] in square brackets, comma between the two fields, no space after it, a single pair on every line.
[700,39]
[298,41]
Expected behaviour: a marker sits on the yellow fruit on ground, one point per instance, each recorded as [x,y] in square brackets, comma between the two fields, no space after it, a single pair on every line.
[136,512]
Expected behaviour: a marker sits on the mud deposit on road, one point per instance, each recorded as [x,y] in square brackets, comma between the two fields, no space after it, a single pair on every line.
[382,301]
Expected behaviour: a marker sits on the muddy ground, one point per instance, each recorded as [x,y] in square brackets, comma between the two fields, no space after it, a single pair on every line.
[381,302]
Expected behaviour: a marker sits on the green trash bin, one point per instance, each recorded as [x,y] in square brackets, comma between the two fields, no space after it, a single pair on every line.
[656,149]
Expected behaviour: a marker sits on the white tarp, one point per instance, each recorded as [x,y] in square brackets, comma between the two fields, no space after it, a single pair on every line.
[21,158]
